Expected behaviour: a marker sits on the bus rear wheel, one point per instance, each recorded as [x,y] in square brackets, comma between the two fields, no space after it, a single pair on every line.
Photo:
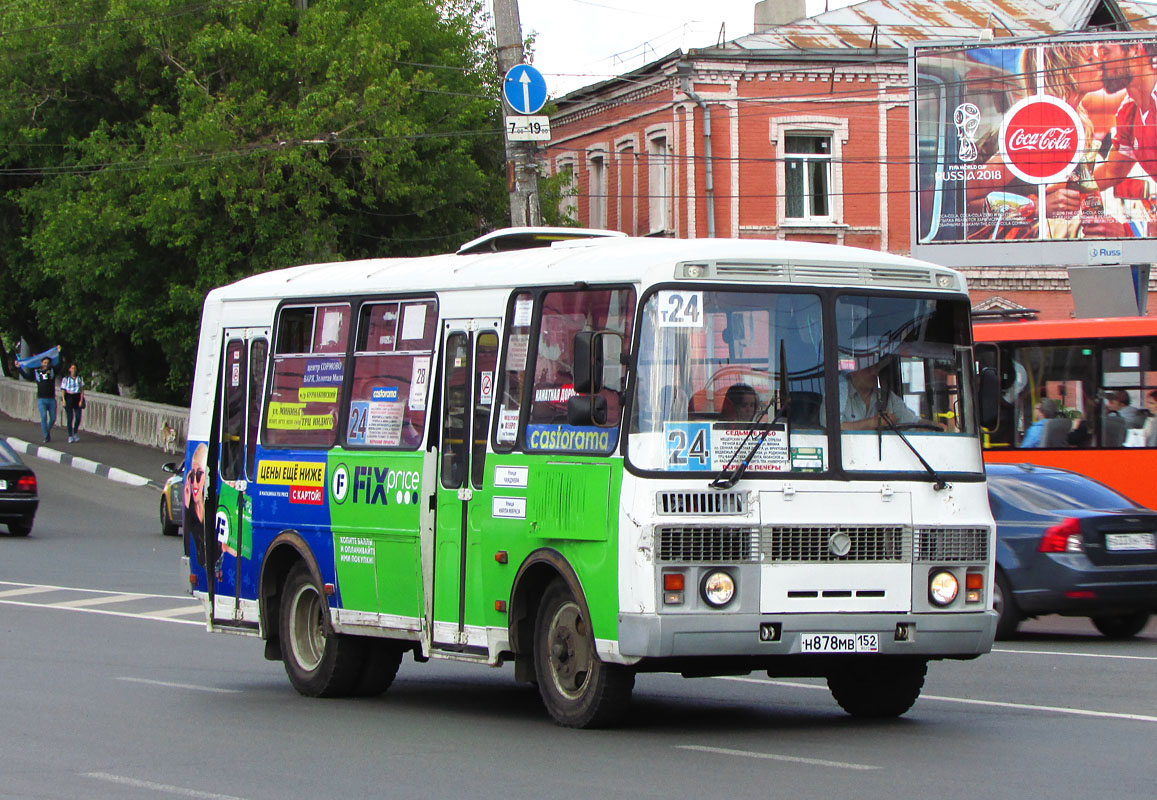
[578,690]
[878,688]
[319,662]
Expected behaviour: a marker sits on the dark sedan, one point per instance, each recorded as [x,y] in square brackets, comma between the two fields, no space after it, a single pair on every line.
[1066,544]
[18,497]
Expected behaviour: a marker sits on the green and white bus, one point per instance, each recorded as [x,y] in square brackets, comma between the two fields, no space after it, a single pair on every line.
[595,458]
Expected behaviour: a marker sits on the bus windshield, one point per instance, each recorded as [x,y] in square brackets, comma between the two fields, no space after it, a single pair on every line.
[710,362]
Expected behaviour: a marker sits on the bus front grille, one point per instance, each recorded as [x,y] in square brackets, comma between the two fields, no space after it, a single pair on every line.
[687,543]
[835,543]
[946,545]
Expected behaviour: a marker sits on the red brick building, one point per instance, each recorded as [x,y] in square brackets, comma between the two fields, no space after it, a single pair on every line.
[798,131]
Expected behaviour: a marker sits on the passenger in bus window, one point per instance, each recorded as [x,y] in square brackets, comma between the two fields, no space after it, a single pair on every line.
[1080,435]
[1151,422]
[1046,409]
[1117,403]
[740,403]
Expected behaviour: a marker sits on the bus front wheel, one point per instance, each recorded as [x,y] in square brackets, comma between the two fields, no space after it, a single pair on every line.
[319,662]
[877,689]
[578,690]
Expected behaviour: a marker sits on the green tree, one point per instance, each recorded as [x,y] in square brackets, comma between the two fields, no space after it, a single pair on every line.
[154,149]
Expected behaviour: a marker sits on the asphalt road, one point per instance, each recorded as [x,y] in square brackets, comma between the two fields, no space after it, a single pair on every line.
[111,688]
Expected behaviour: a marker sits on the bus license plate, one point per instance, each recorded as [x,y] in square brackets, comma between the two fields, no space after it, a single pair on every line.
[839,643]
[1130,541]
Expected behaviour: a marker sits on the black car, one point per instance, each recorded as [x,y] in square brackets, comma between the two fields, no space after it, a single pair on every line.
[18,497]
[1066,544]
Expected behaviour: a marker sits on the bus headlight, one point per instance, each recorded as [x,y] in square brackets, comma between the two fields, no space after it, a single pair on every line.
[943,588]
[718,588]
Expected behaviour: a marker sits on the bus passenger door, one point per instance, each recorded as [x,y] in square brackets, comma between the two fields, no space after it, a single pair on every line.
[469,362]
[228,536]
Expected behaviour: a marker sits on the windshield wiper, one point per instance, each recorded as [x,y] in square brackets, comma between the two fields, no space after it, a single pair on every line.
[939,483]
[725,481]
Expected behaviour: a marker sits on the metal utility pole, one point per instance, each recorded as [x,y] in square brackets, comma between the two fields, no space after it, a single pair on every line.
[521,168]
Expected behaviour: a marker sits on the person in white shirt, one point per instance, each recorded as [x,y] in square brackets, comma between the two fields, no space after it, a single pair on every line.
[866,405]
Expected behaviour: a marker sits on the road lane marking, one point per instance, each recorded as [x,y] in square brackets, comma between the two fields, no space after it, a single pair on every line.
[815,762]
[85,602]
[1071,653]
[27,590]
[106,612]
[175,612]
[159,787]
[1077,712]
[190,686]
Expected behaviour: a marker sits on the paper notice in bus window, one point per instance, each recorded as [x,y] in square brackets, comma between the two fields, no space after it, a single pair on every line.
[1130,360]
[507,424]
[523,312]
[414,322]
[772,455]
[331,327]
[486,388]
[384,424]
[516,357]
[419,379]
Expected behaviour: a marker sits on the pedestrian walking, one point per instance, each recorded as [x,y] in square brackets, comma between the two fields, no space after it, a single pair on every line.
[72,387]
[45,377]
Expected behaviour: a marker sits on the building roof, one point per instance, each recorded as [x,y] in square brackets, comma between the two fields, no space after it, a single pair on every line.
[857,30]
[887,24]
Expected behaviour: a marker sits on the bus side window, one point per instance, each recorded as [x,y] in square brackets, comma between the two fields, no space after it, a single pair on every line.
[308,370]
[513,384]
[388,398]
[565,313]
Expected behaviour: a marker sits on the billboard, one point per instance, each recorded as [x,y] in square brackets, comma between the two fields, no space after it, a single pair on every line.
[1051,140]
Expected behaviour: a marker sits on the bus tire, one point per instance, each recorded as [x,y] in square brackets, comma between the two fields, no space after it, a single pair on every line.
[578,690]
[876,689]
[1122,626]
[168,527]
[1007,614]
[380,667]
[319,662]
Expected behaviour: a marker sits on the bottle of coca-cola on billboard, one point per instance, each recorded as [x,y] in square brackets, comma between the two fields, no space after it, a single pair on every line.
[1082,180]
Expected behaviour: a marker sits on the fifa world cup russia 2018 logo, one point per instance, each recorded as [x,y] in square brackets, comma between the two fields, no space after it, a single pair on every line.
[967,119]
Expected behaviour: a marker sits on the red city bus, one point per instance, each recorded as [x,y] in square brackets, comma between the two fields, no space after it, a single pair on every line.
[1099,375]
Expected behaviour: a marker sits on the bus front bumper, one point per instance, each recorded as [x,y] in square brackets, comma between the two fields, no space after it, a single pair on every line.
[940,635]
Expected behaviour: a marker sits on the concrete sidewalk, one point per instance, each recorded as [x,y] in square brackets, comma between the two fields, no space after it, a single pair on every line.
[134,464]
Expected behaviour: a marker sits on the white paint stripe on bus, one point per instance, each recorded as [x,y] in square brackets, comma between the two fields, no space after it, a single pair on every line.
[166,788]
[815,762]
[1077,712]
[189,686]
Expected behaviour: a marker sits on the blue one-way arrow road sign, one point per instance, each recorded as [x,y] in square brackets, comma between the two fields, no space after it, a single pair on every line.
[524,89]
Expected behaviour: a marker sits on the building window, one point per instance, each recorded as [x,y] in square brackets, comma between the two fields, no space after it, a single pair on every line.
[659,183]
[567,189]
[597,192]
[807,176]
[808,170]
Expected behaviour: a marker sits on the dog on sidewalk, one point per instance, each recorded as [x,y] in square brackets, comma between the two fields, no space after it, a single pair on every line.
[168,438]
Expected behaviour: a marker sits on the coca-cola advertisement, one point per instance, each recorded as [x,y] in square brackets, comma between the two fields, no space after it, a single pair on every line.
[1053,140]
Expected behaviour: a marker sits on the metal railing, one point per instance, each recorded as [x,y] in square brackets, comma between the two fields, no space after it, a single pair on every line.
[104,414]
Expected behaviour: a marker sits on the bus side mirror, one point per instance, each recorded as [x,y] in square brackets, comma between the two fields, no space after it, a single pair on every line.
[588,362]
[587,409]
[988,399]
